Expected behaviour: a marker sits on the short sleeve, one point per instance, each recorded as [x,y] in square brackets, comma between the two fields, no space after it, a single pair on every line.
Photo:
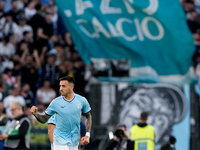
[51,109]
[52,120]
[86,106]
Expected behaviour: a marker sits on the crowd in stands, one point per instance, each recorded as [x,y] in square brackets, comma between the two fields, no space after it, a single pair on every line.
[192,10]
[35,51]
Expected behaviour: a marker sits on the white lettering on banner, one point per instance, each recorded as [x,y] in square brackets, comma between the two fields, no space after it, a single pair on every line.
[128,6]
[152,8]
[139,29]
[146,29]
[112,29]
[117,30]
[105,9]
[98,27]
[120,29]
[79,21]
[81,6]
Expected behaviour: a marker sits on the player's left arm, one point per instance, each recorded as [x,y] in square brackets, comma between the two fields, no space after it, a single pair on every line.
[88,122]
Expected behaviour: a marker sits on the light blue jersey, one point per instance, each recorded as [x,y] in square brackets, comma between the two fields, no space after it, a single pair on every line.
[68,114]
[52,120]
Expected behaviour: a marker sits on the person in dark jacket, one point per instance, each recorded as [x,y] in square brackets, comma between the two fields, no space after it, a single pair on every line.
[121,140]
[18,136]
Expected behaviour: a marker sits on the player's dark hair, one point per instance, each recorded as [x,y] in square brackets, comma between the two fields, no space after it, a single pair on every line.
[144,115]
[68,78]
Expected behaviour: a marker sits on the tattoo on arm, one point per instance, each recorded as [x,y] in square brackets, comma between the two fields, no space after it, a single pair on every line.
[88,122]
[42,118]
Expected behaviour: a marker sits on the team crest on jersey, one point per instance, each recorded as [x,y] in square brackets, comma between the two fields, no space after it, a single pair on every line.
[78,105]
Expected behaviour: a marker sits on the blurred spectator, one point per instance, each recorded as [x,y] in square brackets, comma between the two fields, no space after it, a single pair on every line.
[6,48]
[53,39]
[45,5]
[2,5]
[14,10]
[54,18]
[50,71]
[18,136]
[11,80]
[2,23]
[20,4]
[66,69]
[187,5]
[23,50]
[120,140]
[4,123]
[21,14]
[3,87]
[143,134]
[196,37]
[13,97]
[30,68]
[7,65]
[43,55]
[59,51]
[11,29]
[192,24]
[197,5]
[57,21]
[36,21]
[16,72]
[44,31]
[28,38]
[27,95]
[45,94]
[3,118]
[23,27]
[30,10]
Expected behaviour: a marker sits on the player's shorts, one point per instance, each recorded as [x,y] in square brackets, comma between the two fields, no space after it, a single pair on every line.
[65,147]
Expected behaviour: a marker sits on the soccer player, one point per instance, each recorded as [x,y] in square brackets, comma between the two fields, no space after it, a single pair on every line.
[52,125]
[68,109]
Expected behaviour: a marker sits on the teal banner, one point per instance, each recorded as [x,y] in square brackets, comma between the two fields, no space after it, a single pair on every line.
[153,34]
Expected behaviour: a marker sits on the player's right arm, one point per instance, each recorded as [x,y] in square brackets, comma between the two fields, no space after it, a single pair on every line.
[51,127]
[41,118]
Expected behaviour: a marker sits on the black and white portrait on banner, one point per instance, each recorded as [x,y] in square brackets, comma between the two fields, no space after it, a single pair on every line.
[165,104]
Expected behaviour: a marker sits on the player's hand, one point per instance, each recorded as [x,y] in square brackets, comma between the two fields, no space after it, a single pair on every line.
[3,136]
[34,110]
[85,140]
